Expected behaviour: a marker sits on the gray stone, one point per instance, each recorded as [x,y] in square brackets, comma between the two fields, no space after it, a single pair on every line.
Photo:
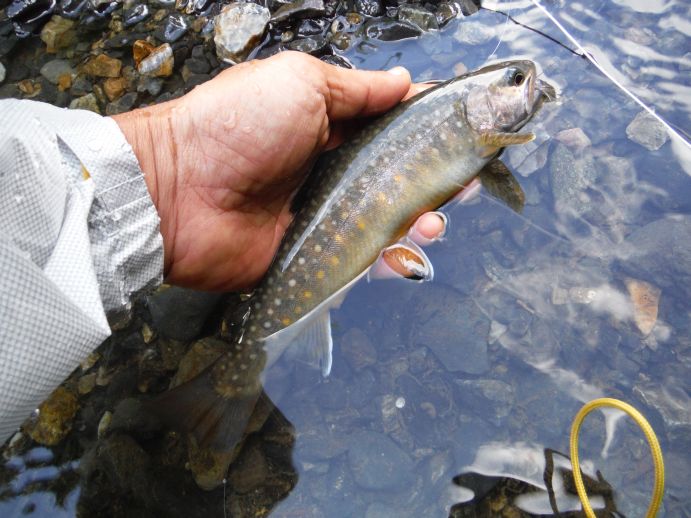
[299,9]
[673,405]
[121,105]
[573,138]
[647,131]
[153,85]
[418,16]
[390,30]
[377,463]
[238,28]
[660,252]
[2,72]
[453,327]
[369,7]
[87,102]
[571,177]
[180,313]
[489,399]
[56,68]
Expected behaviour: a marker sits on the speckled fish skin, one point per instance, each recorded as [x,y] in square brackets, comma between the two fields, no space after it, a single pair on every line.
[360,199]
[364,196]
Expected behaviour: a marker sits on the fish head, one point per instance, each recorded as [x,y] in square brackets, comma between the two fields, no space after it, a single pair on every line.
[502,98]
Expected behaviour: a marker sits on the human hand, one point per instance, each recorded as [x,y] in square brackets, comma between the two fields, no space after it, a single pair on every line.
[222,162]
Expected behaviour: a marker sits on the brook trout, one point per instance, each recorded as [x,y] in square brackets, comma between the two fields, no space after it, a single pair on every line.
[360,199]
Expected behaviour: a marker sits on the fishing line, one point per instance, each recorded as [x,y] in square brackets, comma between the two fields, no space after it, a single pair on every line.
[545,35]
[609,76]
[501,38]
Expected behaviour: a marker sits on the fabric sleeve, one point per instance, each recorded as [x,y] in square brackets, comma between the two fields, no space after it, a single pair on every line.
[79,238]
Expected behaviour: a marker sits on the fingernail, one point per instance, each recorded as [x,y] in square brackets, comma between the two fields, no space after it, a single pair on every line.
[398,71]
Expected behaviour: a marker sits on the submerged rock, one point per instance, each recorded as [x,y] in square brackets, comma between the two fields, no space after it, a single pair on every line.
[137,14]
[316,46]
[418,16]
[238,29]
[378,463]
[647,131]
[391,30]
[571,177]
[180,313]
[86,102]
[369,7]
[174,29]
[2,72]
[56,68]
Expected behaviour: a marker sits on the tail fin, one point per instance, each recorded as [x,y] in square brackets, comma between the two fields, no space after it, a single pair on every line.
[216,422]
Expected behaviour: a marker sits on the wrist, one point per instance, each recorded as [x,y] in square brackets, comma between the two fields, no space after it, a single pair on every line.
[147,130]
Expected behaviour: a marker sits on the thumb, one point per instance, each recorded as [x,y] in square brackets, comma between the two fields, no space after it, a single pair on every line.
[358,93]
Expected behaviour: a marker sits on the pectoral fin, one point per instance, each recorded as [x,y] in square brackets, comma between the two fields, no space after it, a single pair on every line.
[403,259]
[501,184]
[499,140]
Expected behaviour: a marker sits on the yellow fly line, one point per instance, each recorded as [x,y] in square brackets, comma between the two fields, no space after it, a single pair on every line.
[658,462]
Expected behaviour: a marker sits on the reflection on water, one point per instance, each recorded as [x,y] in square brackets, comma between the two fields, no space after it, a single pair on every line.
[445,397]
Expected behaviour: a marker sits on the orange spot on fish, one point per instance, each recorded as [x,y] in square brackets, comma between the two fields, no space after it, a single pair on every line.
[335,261]
[320,274]
[286,321]
[361,224]
[308,294]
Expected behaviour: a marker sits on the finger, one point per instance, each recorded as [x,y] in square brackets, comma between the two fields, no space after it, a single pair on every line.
[416,88]
[428,228]
[357,93]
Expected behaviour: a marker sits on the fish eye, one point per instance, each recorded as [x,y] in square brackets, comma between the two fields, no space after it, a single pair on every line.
[518,78]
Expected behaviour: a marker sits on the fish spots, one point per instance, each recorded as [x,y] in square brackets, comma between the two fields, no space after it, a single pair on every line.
[252,329]
[298,310]
[277,302]
[292,283]
[257,305]
[361,224]
[234,377]
[286,321]
[317,248]
[307,294]
[301,260]
[267,324]
[320,274]
[382,197]
[397,178]
[338,238]
[269,311]
[335,261]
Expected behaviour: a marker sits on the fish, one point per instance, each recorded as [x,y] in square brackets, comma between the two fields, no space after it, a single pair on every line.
[358,202]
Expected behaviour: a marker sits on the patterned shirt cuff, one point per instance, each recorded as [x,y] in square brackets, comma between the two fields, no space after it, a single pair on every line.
[127,246]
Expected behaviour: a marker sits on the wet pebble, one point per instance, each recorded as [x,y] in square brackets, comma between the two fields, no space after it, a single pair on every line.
[313,27]
[102,66]
[390,30]
[487,398]
[29,11]
[299,9]
[52,70]
[86,102]
[358,349]
[54,419]
[137,14]
[159,63]
[647,131]
[174,28]
[58,34]
[339,61]
[573,138]
[446,11]
[180,313]
[121,105]
[153,85]
[238,29]
[377,463]
[2,72]
[369,7]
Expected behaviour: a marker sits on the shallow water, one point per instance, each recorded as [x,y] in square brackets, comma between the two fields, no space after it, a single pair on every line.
[444,397]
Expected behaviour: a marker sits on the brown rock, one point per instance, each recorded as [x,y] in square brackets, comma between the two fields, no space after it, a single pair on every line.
[55,416]
[29,88]
[58,33]
[114,87]
[645,299]
[64,82]
[141,49]
[103,66]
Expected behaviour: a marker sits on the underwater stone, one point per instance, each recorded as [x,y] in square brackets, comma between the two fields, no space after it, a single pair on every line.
[571,177]
[2,72]
[418,16]
[159,63]
[114,87]
[180,313]
[647,131]
[474,33]
[316,46]
[391,30]
[489,399]
[369,7]
[29,11]
[58,33]
[174,29]
[123,104]
[238,29]
[377,463]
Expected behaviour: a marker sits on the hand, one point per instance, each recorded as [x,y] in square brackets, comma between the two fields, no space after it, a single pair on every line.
[222,162]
